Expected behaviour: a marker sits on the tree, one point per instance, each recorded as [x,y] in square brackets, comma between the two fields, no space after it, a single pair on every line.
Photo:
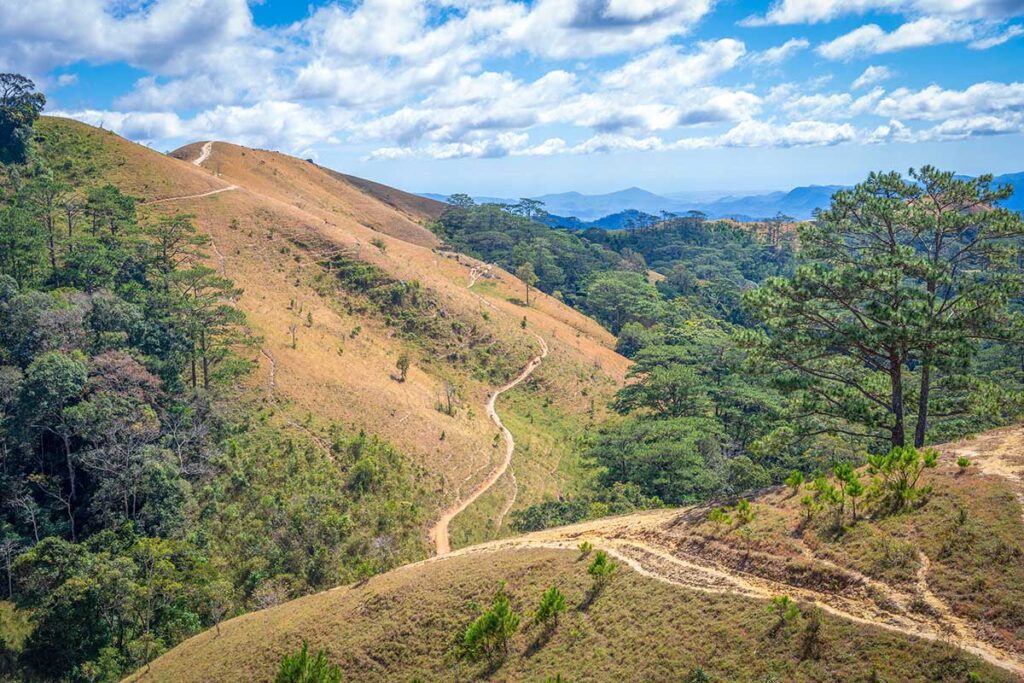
[618,297]
[489,633]
[900,470]
[525,273]
[301,667]
[403,366]
[20,106]
[552,604]
[601,569]
[901,281]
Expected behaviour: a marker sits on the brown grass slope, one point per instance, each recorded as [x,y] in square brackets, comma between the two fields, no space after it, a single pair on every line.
[925,595]
[274,219]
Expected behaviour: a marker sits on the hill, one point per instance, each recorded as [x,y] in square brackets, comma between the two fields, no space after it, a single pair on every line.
[929,595]
[279,226]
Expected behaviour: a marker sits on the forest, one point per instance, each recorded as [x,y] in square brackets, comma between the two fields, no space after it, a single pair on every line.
[144,497]
[892,319]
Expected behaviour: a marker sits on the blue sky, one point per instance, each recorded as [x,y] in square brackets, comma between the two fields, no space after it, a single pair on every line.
[516,97]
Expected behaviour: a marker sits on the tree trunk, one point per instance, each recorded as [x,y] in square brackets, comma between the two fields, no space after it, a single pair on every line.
[898,436]
[922,405]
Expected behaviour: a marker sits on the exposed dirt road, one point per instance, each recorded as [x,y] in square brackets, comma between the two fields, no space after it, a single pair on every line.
[649,543]
[439,532]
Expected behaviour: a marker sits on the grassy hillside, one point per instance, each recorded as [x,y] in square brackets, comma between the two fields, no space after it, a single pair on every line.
[280,235]
[898,594]
[399,626]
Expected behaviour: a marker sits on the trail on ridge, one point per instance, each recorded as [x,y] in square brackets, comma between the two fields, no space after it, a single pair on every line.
[439,531]
[650,544]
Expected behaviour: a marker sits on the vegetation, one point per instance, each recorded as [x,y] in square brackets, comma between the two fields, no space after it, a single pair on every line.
[901,281]
[144,496]
[681,631]
[300,667]
[488,636]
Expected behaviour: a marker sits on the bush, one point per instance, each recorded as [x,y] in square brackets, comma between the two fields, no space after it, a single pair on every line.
[301,668]
[552,603]
[488,635]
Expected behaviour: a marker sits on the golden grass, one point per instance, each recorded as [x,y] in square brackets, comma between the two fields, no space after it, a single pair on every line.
[399,626]
[268,235]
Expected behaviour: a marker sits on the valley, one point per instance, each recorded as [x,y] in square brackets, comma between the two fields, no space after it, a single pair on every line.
[254,410]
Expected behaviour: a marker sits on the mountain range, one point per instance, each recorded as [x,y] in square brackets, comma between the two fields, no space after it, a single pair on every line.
[612,209]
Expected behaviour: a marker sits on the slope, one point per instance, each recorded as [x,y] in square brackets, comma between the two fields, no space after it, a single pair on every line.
[921,596]
[339,285]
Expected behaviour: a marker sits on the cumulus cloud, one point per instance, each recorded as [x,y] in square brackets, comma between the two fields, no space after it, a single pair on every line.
[935,103]
[431,78]
[781,53]
[991,41]
[871,39]
[815,11]
[871,75]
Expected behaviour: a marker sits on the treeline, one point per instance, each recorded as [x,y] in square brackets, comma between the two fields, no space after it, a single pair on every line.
[896,322]
[143,497]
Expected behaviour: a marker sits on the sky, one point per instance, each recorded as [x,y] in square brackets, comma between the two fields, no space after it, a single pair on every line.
[517,98]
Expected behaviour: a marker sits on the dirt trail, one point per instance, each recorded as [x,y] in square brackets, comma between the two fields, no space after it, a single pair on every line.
[204,153]
[650,544]
[439,532]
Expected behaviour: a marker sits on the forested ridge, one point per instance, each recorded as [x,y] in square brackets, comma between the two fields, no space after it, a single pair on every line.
[145,494]
[893,318]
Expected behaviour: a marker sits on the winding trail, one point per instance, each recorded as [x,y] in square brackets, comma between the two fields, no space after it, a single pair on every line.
[645,542]
[439,531]
[656,545]
[204,154]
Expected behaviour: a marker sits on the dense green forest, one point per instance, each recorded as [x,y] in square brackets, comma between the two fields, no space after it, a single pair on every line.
[145,497]
[892,319]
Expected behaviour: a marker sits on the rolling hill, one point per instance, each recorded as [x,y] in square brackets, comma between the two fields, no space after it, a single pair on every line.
[932,595]
[279,227]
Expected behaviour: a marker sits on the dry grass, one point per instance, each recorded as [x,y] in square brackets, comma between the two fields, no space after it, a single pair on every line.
[399,626]
[269,234]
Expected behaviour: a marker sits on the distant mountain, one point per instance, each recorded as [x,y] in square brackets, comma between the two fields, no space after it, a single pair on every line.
[612,210]
[1016,202]
[800,203]
[589,207]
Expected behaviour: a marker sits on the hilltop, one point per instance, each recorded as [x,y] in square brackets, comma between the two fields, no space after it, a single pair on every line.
[278,225]
[899,596]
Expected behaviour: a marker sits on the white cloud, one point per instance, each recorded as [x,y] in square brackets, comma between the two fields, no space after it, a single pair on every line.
[781,53]
[835,105]
[871,75]
[667,68]
[163,35]
[815,11]
[278,125]
[991,41]
[871,39]
[935,103]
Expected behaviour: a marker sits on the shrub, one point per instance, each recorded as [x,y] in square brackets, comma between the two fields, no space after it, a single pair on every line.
[301,668]
[585,548]
[552,603]
[963,462]
[601,569]
[794,481]
[719,517]
[745,511]
[900,470]
[489,634]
